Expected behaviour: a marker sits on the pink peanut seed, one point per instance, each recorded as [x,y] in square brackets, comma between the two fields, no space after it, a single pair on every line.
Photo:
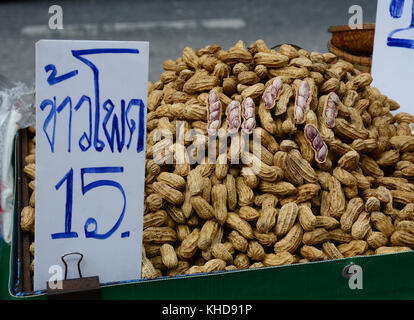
[321,154]
[330,118]
[248,113]
[215,106]
[268,97]
[278,83]
[214,115]
[299,114]
[301,103]
[331,104]
[272,92]
[268,100]
[232,106]
[250,124]
[233,116]
[331,110]
[311,132]
[214,125]
[212,98]
[334,98]
[330,123]
[248,103]
[235,123]
[317,143]
[304,90]
[234,113]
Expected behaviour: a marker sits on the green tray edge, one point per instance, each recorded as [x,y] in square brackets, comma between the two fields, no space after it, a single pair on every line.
[384,277]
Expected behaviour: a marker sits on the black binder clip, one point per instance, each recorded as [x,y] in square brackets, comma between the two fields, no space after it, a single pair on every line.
[70,289]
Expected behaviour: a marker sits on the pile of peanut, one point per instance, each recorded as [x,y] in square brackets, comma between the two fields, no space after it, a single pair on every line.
[27,216]
[336,166]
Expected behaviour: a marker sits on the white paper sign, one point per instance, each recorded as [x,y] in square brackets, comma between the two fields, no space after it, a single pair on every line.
[90,158]
[393,57]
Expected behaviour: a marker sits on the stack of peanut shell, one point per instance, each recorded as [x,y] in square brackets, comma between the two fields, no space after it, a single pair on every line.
[331,170]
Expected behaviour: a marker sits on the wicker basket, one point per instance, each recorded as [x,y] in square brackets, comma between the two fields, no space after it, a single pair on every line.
[361,63]
[358,42]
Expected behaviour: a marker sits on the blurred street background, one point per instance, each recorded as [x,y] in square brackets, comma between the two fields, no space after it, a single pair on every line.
[169,26]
